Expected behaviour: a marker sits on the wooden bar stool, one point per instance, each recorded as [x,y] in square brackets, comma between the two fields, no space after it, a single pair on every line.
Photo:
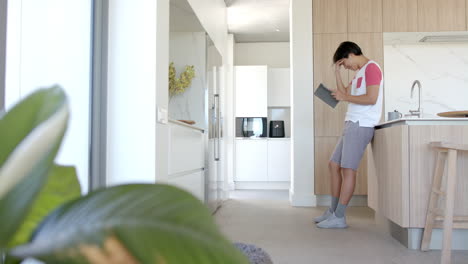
[445,152]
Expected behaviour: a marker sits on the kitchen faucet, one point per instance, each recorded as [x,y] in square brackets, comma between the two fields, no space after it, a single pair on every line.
[416,112]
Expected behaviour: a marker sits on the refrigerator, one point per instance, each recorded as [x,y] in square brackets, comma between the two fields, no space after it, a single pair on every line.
[214,176]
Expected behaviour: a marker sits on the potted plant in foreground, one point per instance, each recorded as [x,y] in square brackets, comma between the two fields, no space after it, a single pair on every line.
[137,223]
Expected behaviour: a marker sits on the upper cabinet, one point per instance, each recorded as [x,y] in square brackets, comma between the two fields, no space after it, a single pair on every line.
[279,87]
[371,45]
[251,84]
[437,15]
[364,16]
[330,16]
[400,15]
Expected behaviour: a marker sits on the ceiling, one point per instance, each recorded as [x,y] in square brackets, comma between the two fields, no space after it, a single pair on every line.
[258,20]
[248,20]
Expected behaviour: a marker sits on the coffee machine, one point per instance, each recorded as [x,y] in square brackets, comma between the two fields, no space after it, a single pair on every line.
[276,128]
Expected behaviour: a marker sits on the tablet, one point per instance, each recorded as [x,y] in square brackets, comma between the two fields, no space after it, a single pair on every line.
[326,95]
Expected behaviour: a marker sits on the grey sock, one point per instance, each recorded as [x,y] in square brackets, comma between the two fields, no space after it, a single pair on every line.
[334,204]
[340,210]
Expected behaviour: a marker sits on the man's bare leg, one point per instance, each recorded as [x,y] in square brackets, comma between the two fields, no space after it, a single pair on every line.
[336,181]
[335,174]
[344,187]
[347,190]
[349,182]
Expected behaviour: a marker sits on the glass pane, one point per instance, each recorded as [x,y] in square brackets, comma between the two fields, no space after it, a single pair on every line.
[49,42]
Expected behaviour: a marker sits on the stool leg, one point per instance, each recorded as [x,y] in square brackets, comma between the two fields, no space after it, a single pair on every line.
[449,205]
[436,184]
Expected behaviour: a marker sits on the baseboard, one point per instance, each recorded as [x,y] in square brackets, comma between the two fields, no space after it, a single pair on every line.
[302,200]
[412,237]
[356,200]
[261,185]
[459,239]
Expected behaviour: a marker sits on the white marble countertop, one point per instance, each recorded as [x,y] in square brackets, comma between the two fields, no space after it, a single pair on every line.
[424,121]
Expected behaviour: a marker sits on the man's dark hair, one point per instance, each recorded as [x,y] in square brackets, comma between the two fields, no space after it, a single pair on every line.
[345,49]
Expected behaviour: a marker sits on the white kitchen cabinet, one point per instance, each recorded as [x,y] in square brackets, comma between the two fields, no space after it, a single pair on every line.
[279,87]
[279,160]
[251,160]
[251,84]
[193,183]
[186,148]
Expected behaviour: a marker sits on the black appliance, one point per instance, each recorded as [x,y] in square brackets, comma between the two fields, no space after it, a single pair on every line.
[276,128]
[251,127]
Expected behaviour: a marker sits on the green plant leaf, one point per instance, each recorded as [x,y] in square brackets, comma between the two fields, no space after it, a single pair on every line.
[62,186]
[30,136]
[11,260]
[140,223]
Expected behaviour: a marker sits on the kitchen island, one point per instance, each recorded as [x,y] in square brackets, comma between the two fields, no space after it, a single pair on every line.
[401,167]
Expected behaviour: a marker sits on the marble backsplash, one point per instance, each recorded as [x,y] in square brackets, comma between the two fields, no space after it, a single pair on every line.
[442,70]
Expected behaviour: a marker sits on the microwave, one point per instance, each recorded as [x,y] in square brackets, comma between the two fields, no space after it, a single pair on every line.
[251,127]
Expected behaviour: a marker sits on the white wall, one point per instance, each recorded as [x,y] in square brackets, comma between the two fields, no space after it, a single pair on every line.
[442,70]
[162,93]
[48,43]
[213,17]
[273,54]
[132,84]
[189,48]
[138,84]
[302,116]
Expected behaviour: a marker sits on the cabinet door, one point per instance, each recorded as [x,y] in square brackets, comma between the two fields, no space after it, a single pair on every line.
[436,15]
[330,16]
[371,45]
[279,160]
[251,91]
[193,183]
[390,149]
[423,162]
[324,147]
[400,15]
[327,121]
[364,15]
[251,160]
[278,87]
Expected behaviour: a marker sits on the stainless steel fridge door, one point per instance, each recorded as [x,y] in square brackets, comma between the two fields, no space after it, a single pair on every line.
[212,146]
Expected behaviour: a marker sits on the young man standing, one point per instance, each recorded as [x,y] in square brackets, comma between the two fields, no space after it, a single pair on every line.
[364,95]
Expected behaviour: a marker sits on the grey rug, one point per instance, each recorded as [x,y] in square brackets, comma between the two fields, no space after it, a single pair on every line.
[255,254]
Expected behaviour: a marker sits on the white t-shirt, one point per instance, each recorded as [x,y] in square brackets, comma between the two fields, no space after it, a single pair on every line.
[367,115]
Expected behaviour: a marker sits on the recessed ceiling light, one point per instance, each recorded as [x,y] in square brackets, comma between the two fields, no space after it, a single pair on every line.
[277,30]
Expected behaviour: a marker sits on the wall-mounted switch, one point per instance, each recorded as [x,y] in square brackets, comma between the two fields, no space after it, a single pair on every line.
[162,115]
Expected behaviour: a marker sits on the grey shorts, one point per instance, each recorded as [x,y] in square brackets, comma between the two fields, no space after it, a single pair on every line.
[350,149]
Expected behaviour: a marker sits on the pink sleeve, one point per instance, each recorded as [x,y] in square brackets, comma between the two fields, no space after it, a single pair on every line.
[373,75]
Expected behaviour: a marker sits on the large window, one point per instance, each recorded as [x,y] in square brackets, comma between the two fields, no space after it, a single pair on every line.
[49,42]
